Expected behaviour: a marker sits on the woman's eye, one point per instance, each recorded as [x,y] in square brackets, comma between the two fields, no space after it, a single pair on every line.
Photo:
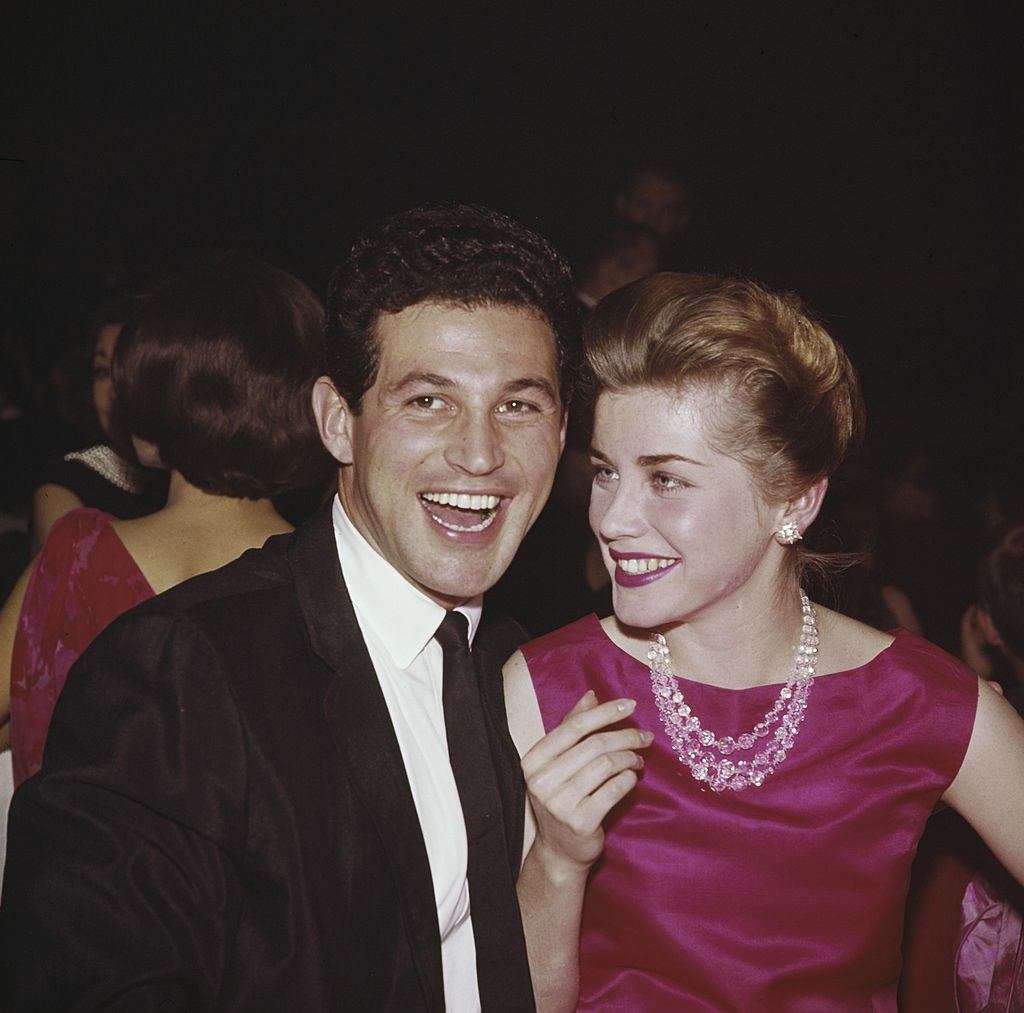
[603,474]
[669,483]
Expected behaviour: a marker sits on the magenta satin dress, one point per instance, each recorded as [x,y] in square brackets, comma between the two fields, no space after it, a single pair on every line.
[84,578]
[787,897]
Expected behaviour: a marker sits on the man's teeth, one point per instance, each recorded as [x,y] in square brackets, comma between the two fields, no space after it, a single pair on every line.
[462,500]
[485,506]
[646,565]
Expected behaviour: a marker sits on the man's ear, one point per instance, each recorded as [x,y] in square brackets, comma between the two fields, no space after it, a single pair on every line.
[333,420]
[805,508]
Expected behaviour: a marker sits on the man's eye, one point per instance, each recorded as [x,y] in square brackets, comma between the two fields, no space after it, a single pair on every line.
[516,408]
[429,403]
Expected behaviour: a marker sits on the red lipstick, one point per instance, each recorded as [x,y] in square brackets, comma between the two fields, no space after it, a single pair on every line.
[624,579]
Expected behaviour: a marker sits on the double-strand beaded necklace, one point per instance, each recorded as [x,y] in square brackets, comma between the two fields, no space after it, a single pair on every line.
[705,753]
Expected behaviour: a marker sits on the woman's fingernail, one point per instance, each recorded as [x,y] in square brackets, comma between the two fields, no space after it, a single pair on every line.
[625,706]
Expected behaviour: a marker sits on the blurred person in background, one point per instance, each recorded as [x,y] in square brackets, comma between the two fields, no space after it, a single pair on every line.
[15,458]
[964,944]
[656,195]
[104,474]
[623,252]
[848,526]
[213,375]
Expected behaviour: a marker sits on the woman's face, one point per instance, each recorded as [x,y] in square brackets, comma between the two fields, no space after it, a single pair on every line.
[684,529]
[102,387]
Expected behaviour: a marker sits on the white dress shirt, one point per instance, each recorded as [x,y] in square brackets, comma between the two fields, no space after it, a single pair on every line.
[398,623]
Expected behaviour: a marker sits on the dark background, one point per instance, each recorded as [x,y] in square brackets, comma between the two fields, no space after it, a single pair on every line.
[868,157]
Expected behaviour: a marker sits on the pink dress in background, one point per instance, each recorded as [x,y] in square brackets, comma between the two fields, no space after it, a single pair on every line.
[84,578]
[787,897]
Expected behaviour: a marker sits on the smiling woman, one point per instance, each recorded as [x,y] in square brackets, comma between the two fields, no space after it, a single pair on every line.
[790,755]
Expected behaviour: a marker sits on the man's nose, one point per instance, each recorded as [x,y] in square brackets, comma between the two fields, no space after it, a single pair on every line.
[476,446]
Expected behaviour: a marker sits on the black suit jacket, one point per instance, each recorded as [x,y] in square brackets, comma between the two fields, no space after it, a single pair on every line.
[223,819]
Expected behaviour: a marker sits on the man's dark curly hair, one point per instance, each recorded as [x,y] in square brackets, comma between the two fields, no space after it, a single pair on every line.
[458,255]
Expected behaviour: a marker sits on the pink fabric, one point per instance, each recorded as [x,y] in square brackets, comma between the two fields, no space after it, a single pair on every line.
[787,897]
[84,578]
[990,955]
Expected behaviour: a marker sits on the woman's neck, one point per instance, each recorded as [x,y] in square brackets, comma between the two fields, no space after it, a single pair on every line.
[743,640]
[185,499]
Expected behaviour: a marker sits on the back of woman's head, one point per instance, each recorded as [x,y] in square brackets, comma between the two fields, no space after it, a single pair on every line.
[216,368]
[789,404]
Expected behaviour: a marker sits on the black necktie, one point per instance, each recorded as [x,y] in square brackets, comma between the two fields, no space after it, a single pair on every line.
[502,972]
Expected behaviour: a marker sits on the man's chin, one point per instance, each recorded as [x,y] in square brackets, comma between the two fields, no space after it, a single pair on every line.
[455,588]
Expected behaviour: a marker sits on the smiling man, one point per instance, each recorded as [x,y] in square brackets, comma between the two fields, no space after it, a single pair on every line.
[446,458]
[289,784]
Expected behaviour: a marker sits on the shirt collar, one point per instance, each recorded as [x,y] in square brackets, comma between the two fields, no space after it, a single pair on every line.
[400,616]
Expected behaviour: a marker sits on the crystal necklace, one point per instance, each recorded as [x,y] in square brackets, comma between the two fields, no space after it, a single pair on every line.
[704,752]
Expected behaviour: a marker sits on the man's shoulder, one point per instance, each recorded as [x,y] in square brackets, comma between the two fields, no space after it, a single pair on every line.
[498,638]
[263,603]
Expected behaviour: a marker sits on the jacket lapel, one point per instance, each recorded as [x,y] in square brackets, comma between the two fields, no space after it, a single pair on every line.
[361,726]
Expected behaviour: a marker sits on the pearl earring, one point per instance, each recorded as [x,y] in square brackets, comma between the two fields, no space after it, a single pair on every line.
[788,533]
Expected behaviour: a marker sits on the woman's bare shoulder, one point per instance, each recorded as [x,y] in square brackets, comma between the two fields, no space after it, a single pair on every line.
[847,643]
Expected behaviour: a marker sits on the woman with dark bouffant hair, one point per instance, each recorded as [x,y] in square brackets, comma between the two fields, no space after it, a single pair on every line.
[727,781]
[212,377]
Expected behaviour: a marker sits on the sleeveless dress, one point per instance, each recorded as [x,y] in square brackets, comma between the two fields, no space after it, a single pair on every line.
[785,897]
[84,578]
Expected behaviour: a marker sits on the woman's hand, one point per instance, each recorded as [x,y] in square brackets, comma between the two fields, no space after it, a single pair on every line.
[575,774]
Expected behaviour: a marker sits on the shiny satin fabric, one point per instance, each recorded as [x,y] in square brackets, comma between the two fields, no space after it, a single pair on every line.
[990,952]
[84,578]
[787,897]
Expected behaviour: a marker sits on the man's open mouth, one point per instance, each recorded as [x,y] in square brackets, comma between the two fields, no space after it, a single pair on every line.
[461,511]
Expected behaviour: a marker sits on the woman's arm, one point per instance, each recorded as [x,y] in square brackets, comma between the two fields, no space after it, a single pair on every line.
[574,775]
[50,503]
[989,789]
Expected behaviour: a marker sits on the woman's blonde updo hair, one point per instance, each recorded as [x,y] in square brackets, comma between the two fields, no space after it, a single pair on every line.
[790,403]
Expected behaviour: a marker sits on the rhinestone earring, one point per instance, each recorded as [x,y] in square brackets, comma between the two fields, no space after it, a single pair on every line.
[788,533]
